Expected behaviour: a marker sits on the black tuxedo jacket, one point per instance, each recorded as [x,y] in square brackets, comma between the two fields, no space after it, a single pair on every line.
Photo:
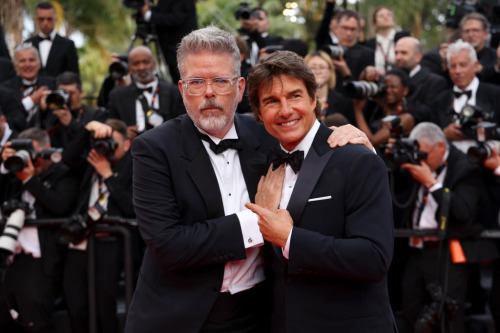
[122,102]
[62,56]
[12,109]
[55,192]
[357,58]
[6,69]
[486,98]
[372,42]
[323,37]
[181,218]
[425,86]
[341,245]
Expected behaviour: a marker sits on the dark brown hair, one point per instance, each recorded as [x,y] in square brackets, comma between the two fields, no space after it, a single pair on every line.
[275,65]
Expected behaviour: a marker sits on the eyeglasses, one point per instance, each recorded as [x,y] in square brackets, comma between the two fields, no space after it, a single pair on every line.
[348,29]
[319,68]
[384,14]
[472,31]
[198,86]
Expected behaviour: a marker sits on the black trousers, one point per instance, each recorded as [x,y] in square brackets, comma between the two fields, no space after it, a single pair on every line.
[30,293]
[244,312]
[108,268]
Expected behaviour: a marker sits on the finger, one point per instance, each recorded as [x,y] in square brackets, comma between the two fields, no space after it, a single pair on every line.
[261,211]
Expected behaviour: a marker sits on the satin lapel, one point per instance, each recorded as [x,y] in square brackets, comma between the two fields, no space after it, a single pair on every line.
[200,169]
[253,163]
[310,172]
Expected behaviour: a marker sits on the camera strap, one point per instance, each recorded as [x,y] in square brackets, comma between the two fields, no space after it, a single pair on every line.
[148,109]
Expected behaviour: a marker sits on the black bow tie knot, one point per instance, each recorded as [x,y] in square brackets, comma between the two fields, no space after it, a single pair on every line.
[294,160]
[467,93]
[223,144]
[41,38]
[142,90]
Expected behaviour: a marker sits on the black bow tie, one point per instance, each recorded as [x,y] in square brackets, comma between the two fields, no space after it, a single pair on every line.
[468,93]
[223,144]
[294,160]
[41,38]
[27,86]
[142,90]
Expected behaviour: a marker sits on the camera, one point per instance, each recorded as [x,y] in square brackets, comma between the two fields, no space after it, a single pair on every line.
[119,69]
[24,151]
[393,123]
[402,151]
[274,48]
[74,231]
[105,147]
[334,51]
[469,117]
[431,313]
[16,210]
[57,99]
[486,132]
[244,11]
[363,89]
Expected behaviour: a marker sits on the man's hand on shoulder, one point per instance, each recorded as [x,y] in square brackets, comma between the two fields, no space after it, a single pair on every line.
[345,134]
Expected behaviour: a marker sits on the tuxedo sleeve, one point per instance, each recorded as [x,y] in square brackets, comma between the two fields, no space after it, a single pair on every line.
[72,58]
[364,252]
[162,200]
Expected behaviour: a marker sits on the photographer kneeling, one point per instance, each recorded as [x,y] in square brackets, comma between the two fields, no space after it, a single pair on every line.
[435,277]
[100,155]
[29,287]
[389,99]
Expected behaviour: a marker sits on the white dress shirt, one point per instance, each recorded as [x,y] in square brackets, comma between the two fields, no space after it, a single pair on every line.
[384,47]
[243,274]
[291,177]
[458,104]
[139,112]
[44,47]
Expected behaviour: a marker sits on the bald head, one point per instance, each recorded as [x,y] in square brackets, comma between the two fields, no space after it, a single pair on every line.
[141,64]
[408,52]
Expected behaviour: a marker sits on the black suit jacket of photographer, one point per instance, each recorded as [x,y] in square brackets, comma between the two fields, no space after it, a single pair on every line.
[12,109]
[119,185]
[55,192]
[486,98]
[62,56]
[357,58]
[122,102]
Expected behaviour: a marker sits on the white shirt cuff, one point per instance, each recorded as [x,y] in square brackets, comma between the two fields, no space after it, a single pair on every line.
[497,171]
[286,249]
[435,187]
[250,229]
[147,16]
[28,103]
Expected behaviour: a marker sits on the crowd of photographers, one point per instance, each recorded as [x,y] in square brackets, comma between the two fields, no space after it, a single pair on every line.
[431,116]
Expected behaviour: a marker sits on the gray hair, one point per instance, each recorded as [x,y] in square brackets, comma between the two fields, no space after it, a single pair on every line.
[475,16]
[24,47]
[211,39]
[457,47]
[429,133]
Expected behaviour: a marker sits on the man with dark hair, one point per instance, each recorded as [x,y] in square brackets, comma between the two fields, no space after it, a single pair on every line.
[30,285]
[29,86]
[203,267]
[57,53]
[62,124]
[148,101]
[105,191]
[356,56]
[318,212]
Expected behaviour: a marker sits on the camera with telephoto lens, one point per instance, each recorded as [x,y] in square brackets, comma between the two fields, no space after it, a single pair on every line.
[487,137]
[402,151]
[119,69]
[16,211]
[105,147]
[334,51]
[470,116]
[25,151]
[244,11]
[364,89]
[393,123]
[431,313]
[57,99]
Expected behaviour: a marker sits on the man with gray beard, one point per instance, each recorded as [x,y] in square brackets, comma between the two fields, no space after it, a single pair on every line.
[148,101]
[203,270]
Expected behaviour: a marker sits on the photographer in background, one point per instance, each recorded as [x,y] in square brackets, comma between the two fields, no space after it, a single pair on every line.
[467,90]
[254,28]
[450,191]
[64,112]
[31,280]
[118,77]
[173,20]
[105,190]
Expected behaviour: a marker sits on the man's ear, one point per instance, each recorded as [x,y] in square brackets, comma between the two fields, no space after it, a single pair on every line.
[126,145]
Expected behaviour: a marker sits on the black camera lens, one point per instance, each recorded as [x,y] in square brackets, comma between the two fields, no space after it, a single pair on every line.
[363,89]
[18,161]
[334,51]
[479,153]
[57,99]
[118,70]
[104,147]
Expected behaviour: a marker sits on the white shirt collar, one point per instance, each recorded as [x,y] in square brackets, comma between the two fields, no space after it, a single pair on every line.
[6,134]
[415,70]
[231,134]
[390,36]
[306,143]
[151,84]
[52,35]
[472,86]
